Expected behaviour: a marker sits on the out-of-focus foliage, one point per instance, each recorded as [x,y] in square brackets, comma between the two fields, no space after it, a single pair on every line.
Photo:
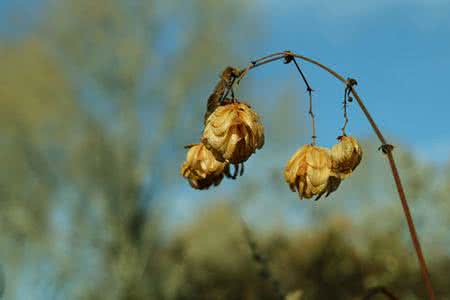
[96,103]
[92,101]
[210,259]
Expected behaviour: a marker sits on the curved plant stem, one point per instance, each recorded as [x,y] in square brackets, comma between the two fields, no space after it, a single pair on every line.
[380,290]
[385,147]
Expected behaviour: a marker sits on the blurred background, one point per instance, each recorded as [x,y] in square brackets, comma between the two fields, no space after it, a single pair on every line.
[98,98]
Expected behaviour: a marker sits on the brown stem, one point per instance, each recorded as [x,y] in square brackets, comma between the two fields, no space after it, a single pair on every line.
[345,112]
[387,149]
[313,124]
[380,290]
[401,192]
[261,260]
[259,62]
[309,90]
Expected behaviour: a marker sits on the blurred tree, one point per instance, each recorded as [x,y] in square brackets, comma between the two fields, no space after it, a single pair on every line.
[77,184]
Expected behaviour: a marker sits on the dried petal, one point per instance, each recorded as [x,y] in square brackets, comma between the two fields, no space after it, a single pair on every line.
[233,132]
[346,156]
[309,172]
[201,169]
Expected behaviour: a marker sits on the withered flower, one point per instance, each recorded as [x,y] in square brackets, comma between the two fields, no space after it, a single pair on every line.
[346,156]
[233,132]
[309,172]
[201,169]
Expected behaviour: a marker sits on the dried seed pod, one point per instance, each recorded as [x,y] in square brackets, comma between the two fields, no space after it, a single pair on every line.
[346,156]
[233,132]
[201,169]
[309,172]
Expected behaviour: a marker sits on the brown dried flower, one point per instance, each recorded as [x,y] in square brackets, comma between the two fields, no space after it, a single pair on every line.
[309,172]
[233,132]
[346,156]
[201,169]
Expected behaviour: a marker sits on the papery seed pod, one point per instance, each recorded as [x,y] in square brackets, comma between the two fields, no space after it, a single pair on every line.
[309,172]
[201,169]
[346,156]
[233,132]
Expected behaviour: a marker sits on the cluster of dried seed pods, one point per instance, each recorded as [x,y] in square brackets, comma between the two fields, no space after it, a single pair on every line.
[232,133]
[314,171]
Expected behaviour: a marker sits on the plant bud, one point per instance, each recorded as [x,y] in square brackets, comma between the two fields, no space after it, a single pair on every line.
[201,169]
[233,132]
[346,156]
[309,172]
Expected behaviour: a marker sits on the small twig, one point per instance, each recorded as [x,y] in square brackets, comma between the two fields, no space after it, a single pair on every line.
[242,170]
[188,146]
[346,91]
[308,87]
[265,272]
[380,290]
[229,88]
[259,62]
[288,59]
[313,124]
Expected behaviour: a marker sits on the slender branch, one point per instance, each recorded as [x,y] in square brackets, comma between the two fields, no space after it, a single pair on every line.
[282,54]
[265,272]
[380,290]
[387,149]
[346,91]
[229,88]
[313,124]
[308,87]
[259,62]
[309,90]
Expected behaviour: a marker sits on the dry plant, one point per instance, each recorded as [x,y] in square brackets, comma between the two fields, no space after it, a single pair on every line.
[233,132]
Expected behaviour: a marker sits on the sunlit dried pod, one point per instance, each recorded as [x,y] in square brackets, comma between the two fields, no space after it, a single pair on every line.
[233,132]
[346,156]
[201,169]
[308,172]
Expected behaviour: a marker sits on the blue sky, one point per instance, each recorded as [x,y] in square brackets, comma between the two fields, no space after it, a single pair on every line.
[399,51]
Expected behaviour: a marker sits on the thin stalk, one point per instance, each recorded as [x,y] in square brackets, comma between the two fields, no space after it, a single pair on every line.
[259,62]
[380,290]
[313,124]
[261,260]
[387,149]
[309,90]
[346,91]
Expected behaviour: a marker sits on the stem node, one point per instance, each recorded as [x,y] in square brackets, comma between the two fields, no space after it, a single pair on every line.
[386,148]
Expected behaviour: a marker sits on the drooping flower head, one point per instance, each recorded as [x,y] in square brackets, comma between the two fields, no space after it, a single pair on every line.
[346,155]
[309,172]
[201,169]
[233,132]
